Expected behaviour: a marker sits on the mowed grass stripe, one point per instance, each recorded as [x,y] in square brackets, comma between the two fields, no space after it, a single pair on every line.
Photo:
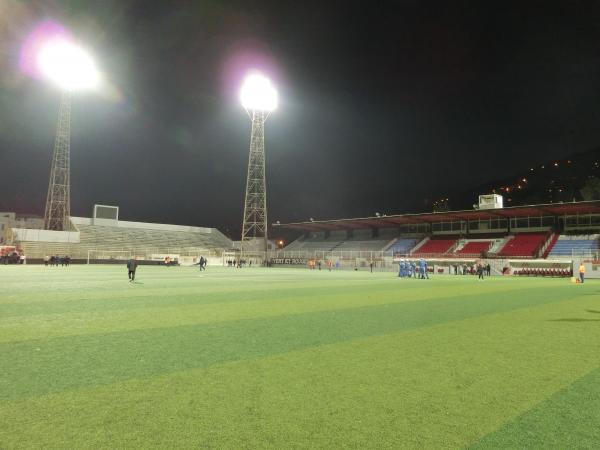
[444,386]
[47,365]
[64,289]
[193,310]
[568,419]
[205,292]
[33,284]
[100,282]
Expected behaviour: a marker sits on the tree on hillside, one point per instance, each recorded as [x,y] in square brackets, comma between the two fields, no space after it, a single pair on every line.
[591,189]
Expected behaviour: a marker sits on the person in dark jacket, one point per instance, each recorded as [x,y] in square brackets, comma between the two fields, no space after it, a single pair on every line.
[131,267]
[480,271]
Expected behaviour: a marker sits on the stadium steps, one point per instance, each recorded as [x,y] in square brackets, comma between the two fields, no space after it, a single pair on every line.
[390,244]
[336,245]
[473,247]
[420,244]
[140,241]
[498,244]
[547,247]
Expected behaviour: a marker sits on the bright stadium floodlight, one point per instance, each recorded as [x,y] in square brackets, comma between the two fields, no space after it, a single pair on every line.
[67,65]
[259,97]
[258,93]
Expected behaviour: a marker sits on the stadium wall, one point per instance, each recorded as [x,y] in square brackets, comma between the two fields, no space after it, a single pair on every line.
[37,235]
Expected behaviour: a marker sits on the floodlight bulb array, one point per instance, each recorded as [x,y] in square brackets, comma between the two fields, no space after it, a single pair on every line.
[258,93]
[67,65]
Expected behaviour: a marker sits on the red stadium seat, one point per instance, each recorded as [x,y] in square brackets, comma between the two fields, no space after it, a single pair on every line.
[523,245]
[435,247]
[475,248]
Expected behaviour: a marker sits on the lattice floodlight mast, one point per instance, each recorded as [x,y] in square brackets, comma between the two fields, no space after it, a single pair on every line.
[69,67]
[255,204]
[259,98]
[58,200]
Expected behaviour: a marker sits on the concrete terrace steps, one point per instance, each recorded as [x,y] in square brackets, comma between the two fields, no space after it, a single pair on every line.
[133,240]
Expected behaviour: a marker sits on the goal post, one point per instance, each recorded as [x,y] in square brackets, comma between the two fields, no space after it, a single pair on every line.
[107,256]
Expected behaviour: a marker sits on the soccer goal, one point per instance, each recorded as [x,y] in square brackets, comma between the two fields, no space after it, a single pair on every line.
[107,256]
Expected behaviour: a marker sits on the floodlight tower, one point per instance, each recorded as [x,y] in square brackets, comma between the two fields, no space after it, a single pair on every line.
[58,199]
[259,97]
[71,69]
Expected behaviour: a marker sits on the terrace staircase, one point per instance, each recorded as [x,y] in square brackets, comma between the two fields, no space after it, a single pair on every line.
[390,244]
[549,245]
[419,245]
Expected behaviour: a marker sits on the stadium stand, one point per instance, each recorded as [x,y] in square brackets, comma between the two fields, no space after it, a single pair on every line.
[549,245]
[523,245]
[435,246]
[402,246]
[361,241]
[134,237]
[313,243]
[474,248]
[566,246]
[374,245]
[327,245]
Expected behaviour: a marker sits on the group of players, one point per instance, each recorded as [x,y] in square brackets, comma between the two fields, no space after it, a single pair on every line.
[412,269]
[57,260]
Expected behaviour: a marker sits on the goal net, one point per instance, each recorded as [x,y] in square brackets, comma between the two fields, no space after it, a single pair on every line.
[108,256]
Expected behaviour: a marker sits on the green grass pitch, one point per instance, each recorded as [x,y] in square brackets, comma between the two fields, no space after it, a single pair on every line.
[292,358]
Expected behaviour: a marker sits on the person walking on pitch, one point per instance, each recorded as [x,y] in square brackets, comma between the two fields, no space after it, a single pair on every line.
[131,267]
[581,271]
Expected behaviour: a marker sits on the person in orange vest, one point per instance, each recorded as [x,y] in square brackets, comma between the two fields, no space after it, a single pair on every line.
[581,271]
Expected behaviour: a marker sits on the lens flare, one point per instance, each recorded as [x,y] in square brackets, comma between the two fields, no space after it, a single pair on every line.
[258,93]
[50,52]
[67,65]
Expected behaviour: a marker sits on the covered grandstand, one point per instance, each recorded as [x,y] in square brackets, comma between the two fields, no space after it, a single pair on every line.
[498,235]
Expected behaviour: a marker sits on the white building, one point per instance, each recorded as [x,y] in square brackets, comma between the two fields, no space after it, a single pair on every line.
[10,220]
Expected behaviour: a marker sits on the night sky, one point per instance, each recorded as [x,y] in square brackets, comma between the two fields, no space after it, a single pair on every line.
[382,104]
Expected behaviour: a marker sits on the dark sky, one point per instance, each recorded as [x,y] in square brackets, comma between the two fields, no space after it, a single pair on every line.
[382,104]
